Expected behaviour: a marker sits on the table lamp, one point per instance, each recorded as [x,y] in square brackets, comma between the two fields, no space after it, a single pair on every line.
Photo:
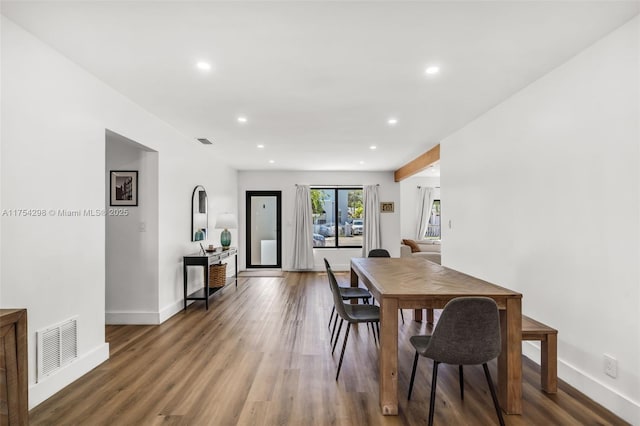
[225,221]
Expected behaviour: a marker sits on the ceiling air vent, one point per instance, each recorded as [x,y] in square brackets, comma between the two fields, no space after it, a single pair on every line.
[56,347]
[205,141]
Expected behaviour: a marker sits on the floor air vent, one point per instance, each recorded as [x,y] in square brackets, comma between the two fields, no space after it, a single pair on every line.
[57,346]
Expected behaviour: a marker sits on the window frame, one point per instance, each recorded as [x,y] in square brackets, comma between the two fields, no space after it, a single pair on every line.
[439,238]
[336,190]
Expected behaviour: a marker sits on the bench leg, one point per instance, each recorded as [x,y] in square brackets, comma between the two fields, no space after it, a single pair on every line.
[549,364]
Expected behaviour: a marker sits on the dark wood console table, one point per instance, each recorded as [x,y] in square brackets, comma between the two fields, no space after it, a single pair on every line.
[206,260]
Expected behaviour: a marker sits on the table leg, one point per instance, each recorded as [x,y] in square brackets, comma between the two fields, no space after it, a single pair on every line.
[184,273]
[206,286]
[549,364]
[389,356]
[510,359]
[236,267]
[430,317]
[417,315]
[354,283]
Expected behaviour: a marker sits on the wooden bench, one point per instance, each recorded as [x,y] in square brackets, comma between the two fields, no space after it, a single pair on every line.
[534,330]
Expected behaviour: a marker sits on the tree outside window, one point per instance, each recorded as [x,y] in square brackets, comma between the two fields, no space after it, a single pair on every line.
[334,210]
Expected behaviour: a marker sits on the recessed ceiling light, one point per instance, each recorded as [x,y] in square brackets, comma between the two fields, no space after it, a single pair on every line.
[362,162]
[271,161]
[260,146]
[204,66]
[373,147]
[242,119]
[432,69]
[392,121]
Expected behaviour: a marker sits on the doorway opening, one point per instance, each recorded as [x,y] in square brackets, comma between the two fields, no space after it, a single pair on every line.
[131,233]
[264,233]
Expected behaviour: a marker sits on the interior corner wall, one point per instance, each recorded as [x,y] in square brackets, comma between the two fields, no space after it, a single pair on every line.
[54,116]
[409,202]
[543,195]
[131,253]
[285,181]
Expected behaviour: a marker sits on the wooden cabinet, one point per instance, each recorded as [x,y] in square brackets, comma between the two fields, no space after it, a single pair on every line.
[14,400]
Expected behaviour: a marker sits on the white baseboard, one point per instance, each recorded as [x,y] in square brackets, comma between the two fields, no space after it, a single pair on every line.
[320,268]
[39,392]
[622,405]
[132,318]
[145,318]
[172,309]
[338,267]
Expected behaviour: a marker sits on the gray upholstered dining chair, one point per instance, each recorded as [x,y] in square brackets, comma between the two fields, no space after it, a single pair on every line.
[467,333]
[352,314]
[383,253]
[347,293]
[378,253]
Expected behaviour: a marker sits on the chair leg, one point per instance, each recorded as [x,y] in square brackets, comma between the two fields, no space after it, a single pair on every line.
[344,345]
[496,404]
[333,311]
[335,342]
[402,315]
[378,328]
[432,401]
[461,375]
[373,328]
[413,374]
[365,300]
[333,330]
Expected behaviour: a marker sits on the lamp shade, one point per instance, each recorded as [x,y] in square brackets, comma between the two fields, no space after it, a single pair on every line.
[226,221]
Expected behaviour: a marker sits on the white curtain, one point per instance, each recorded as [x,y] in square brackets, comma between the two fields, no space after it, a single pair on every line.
[302,230]
[425,204]
[371,226]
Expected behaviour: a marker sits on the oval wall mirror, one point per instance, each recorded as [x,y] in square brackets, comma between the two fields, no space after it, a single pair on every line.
[199,214]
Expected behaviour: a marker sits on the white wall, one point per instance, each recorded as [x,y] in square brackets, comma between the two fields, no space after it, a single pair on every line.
[409,202]
[131,253]
[54,116]
[286,181]
[543,195]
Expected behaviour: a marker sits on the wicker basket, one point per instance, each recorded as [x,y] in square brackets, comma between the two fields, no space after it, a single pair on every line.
[218,275]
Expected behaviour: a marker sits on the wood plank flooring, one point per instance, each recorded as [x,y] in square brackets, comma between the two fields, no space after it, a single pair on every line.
[261,356]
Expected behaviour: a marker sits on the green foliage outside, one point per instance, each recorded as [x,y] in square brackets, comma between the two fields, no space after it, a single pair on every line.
[317,201]
[354,201]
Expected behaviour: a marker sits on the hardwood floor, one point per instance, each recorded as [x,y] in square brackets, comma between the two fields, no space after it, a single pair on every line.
[261,356]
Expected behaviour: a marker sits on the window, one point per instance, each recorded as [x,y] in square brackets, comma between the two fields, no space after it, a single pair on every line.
[433,230]
[337,217]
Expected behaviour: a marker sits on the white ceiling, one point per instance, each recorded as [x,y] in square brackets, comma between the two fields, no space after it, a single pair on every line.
[318,80]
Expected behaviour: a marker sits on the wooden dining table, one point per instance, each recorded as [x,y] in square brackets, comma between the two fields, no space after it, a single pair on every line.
[414,283]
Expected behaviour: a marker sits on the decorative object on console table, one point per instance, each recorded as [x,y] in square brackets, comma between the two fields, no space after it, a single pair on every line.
[124,188]
[224,222]
[218,275]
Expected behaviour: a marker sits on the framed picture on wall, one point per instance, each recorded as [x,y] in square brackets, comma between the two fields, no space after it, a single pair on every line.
[386,207]
[124,188]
